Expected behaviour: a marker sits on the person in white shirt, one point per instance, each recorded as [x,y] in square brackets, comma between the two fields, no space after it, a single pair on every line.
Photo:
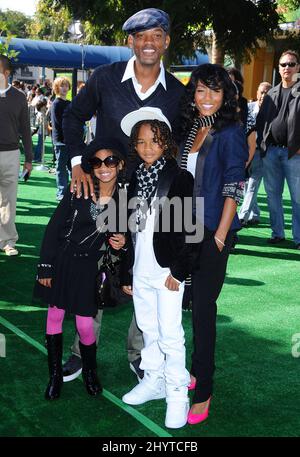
[160,259]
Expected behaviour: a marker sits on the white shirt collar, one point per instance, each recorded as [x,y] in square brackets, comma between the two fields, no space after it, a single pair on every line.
[5,90]
[129,73]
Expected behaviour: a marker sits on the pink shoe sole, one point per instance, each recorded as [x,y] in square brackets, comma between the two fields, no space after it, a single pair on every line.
[192,385]
[193,419]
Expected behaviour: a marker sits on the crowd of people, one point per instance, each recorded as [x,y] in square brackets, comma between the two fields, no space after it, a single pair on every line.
[197,143]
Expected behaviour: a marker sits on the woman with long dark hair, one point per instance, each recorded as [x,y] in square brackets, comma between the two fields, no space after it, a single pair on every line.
[215,152]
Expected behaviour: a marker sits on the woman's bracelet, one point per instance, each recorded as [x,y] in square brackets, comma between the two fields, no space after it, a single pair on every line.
[219,241]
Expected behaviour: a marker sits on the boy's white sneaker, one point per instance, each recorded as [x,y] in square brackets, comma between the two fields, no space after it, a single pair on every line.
[177,413]
[144,391]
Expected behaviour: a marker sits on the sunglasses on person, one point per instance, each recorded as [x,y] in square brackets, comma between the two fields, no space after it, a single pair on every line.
[109,162]
[288,64]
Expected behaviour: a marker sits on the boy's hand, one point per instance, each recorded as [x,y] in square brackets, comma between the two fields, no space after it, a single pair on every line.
[172,284]
[79,180]
[45,282]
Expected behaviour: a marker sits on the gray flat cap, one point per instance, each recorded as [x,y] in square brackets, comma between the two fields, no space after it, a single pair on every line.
[149,18]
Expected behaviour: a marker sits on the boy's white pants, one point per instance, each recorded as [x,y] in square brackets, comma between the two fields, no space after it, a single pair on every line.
[159,314]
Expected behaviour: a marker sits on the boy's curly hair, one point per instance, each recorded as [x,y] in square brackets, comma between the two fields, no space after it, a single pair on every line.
[162,136]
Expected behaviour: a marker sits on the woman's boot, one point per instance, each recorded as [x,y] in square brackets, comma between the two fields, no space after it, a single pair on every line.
[89,368]
[54,347]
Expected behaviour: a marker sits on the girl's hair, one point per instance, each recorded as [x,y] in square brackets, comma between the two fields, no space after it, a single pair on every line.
[58,82]
[214,77]
[162,136]
[121,175]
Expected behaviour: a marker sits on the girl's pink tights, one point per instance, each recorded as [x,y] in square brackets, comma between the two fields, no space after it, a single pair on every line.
[85,325]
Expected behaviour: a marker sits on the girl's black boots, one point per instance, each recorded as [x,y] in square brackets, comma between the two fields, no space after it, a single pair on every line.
[89,368]
[54,347]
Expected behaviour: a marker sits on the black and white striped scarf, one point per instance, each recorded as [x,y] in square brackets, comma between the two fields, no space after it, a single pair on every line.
[205,121]
[147,181]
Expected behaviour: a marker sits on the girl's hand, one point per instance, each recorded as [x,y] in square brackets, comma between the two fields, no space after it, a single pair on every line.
[117,241]
[127,290]
[45,282]
[172,284]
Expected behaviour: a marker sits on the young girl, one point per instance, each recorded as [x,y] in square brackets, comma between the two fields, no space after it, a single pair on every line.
[73,244]
[161,261]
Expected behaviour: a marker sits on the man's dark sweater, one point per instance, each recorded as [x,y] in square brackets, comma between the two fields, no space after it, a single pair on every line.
[15,123]
[57,110]
[105,94]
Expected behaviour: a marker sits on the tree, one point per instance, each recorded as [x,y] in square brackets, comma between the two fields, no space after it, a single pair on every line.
[4,46]
[288,5]
[240,25]
[49,23]
[5,41]
[237,25]
[16,23]
[105,19]
[12,24]
[290,12]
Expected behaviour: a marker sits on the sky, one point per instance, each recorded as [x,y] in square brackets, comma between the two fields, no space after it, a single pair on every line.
[25,6]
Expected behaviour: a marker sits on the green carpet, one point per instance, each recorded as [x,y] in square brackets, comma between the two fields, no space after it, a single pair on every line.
[257,378]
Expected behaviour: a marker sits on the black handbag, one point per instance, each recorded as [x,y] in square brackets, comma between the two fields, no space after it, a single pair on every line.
[108,290]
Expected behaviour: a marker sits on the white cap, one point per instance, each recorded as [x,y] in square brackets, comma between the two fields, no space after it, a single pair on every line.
[143,114]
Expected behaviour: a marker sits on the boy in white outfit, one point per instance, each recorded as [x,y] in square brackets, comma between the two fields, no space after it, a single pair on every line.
[160,260]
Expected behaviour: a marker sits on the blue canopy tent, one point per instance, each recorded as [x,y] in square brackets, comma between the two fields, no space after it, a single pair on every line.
[66,55]
[57,55]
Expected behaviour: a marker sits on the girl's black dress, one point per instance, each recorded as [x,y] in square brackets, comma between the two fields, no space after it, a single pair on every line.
[73,244]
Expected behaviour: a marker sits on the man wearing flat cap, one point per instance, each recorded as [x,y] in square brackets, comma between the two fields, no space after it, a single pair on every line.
[113,91]
[149,18]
